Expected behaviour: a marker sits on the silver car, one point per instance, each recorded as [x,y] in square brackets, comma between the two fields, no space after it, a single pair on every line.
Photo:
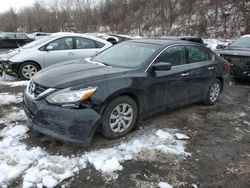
[25,62]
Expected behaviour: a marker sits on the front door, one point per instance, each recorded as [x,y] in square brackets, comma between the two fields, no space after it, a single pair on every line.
[176,83]
[59,50]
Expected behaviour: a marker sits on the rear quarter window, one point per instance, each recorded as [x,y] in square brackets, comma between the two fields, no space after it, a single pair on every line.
[99,44]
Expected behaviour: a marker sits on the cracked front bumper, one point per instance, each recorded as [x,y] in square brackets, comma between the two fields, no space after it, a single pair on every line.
[70,125]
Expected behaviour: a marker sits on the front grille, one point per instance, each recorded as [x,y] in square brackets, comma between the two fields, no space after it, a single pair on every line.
[39,89]
[36,89]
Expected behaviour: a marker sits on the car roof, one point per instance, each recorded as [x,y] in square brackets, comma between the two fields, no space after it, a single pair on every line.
[65,34]
[189,37]
[246,36]
[6,33]
[161,42]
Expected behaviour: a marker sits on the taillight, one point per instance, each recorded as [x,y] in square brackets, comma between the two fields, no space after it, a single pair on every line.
[227,65]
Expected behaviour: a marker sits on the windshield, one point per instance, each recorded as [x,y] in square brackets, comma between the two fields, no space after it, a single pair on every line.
[127,54]
[243,42]
[38,42]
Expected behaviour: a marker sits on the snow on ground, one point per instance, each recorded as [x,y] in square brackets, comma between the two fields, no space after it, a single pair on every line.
[7,98]
[180,136]
[18,115]
[164,185]
[212,43]
[37,168]
[11,81]
[14,84]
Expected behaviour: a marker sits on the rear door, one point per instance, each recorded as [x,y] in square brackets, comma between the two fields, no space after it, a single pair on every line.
[61,50]
[85,47]
[176,83]
[202,69]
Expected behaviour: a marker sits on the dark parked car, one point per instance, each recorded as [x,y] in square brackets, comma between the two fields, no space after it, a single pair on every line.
[120,86]
[238,54]
[13,40]
[186,38]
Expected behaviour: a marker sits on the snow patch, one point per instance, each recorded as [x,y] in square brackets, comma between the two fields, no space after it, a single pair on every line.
[14,116]
[246,123]
[38,168]
[212,43]
[164,185]
[180,136]
[7,98]
[14,83]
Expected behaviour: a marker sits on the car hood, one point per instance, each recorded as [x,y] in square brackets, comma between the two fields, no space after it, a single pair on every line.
[235,51]
[76,72]
[6,55]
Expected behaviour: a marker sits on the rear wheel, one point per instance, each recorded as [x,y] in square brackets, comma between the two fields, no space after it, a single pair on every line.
[27,70]
[119,117]
[213,93]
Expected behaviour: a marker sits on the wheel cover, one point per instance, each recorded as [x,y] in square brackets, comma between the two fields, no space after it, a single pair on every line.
[214,92]
[121,118]
[29,70]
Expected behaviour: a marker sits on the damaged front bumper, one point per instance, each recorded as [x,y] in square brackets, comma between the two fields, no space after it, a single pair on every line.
[70,125]
[9,68]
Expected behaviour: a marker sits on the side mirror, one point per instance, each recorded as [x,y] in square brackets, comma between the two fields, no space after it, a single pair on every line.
[162,66]
[48,48]
[221,46]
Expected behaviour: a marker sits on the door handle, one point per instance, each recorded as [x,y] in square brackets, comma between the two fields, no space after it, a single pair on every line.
[71,53]
[211,68]
[185,74]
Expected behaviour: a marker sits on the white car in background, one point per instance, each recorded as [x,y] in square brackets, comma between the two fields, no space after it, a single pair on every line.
[39,35]
[25,62]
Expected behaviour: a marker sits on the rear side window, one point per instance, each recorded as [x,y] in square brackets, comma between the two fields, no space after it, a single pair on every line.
[174,55]
[65,43]
[197,54]
[21,36]
[84,43]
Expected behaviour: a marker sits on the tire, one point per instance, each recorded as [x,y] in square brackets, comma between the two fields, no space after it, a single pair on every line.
[27,70]
[119,117]
[213,93]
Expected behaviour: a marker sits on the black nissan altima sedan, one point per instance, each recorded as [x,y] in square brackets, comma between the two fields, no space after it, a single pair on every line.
[117,88]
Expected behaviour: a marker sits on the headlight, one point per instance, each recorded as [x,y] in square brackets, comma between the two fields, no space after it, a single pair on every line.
[67,96]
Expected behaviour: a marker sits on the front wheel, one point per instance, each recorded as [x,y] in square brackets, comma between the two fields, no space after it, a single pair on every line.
[27,70]
[213,93]
[119,117]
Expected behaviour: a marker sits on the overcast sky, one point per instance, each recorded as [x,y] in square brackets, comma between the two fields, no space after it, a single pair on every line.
[16,4]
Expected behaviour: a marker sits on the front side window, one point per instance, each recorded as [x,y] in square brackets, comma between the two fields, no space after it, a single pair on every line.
[197,54]
[65,43]
[83,43]
[174,55]
[11,36]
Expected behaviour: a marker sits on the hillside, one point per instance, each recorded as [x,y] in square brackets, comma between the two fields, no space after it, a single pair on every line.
[208,18]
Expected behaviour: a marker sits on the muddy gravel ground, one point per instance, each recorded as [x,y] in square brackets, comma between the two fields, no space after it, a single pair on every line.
[219,145]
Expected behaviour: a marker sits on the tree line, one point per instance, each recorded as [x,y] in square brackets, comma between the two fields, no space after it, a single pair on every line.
[210,18]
